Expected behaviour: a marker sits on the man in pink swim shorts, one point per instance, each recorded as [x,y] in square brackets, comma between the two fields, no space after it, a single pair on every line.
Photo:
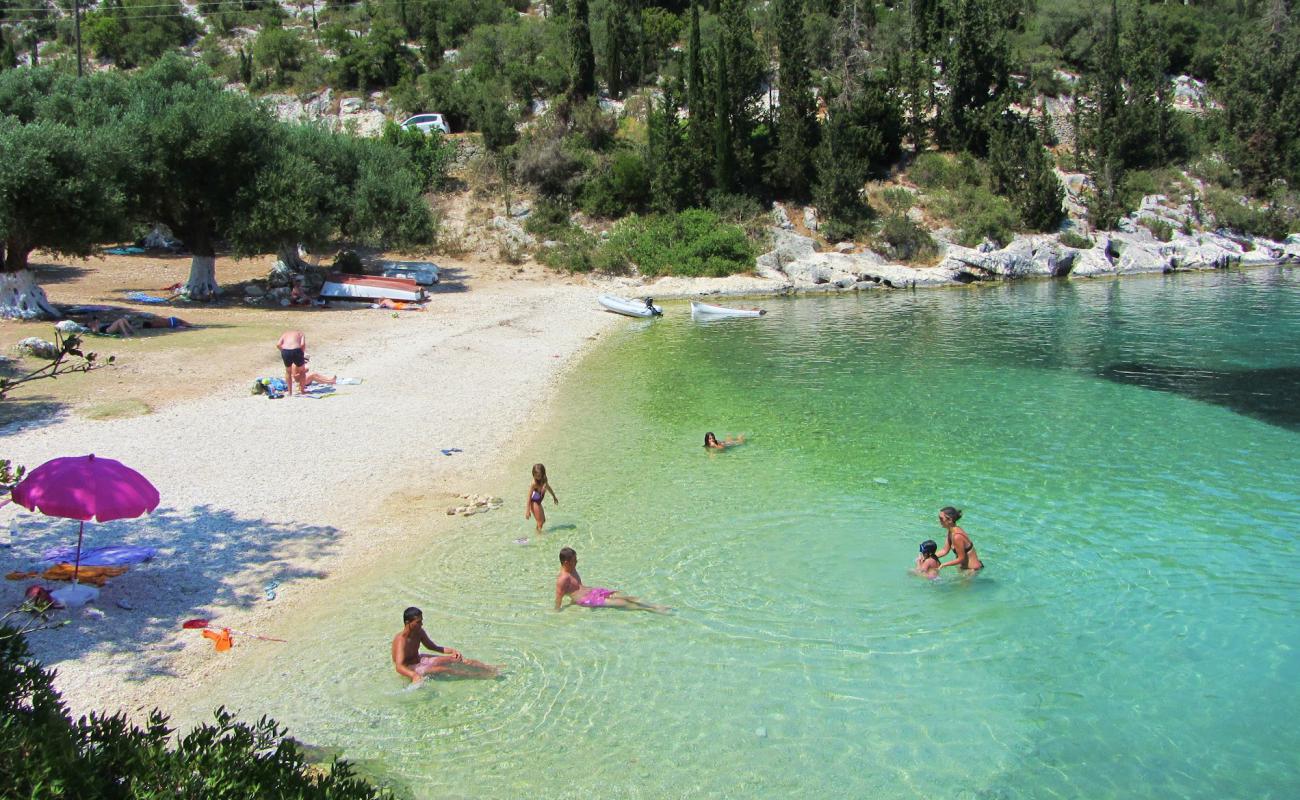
[413,664]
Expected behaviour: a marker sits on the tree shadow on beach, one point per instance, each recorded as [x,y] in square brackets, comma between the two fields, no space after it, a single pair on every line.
[142,610]
[47,274]
[18,414]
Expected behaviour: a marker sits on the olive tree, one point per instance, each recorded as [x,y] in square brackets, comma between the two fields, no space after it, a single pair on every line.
[200,150]
[57,193]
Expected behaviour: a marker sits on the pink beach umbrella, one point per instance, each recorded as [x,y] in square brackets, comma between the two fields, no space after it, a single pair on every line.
[86,487]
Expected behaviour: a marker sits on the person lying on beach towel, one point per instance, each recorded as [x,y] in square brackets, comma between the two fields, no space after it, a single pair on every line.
[396,305]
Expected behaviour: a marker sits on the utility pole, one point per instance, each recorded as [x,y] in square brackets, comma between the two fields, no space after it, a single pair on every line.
[76,12]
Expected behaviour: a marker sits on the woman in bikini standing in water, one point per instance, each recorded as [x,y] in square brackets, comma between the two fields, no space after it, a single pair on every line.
[536,494]
[958,542]
[569,582]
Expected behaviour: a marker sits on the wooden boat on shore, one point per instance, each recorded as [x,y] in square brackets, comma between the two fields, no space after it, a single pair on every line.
[630,308]
[706,311]
[371,287]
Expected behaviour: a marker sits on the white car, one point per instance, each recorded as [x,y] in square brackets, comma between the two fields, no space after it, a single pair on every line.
[427,122]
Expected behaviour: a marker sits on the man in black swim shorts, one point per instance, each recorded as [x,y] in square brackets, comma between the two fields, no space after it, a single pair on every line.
[293,352]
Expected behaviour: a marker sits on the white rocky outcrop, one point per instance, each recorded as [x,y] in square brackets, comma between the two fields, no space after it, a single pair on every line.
[795,263]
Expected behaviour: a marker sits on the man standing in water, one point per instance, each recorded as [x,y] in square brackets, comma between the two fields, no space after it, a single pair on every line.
[413,664]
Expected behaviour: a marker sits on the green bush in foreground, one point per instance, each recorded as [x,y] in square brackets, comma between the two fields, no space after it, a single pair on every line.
[44,753]
[692,243]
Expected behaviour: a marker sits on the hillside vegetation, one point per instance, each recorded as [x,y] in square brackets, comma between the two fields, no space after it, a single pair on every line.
[892,119]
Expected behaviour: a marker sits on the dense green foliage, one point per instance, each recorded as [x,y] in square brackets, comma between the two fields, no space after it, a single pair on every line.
[692,243]
[45,753]
[790,100]
[86,160]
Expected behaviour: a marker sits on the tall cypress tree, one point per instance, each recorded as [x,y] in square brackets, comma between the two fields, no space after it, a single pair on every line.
[744,70]
[695,90]
[1099,117]
[792,165]
[724,157]
[699,129]
[978,73]
[1261,100]
[584,59]
[615,46]
[670,177]
[1021,169]
[8,56]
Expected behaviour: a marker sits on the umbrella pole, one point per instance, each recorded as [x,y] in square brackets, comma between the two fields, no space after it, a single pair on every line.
[76,568]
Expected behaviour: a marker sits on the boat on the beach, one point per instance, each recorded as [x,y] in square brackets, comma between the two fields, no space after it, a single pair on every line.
[707,311]
[371,287]
[424,273]
[631,308]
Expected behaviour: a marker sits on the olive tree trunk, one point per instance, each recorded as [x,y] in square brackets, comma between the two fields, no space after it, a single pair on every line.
[202,284]
[21,296]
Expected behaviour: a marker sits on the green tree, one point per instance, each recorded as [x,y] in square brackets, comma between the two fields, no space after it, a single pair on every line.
[101,756]
[200,149]
[724,154]
[670,172]
[862,136]
[795,125]
[131,33]
[584,58]
[8,55]
[739,72]
[1021,170]
[1099,108]
[278,52]
[978,73]
[57,193]
[1261,101]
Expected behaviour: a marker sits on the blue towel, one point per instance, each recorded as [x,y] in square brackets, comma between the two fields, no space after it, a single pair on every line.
[141,297]
[112,555]
[124,251]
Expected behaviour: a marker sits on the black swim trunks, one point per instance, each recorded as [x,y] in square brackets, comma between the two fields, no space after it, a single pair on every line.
[293,358]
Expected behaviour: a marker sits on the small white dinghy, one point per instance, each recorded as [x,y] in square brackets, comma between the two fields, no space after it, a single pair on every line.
[631,308]
[706,311]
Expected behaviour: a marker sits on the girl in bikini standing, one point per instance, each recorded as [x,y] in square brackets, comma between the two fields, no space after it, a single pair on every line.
[569,583]
[958,542]
[536,494]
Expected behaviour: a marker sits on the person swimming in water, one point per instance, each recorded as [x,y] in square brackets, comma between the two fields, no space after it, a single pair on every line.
[411,663]
[569,583]
[536,494]
[958,542]
[927,563]
[711,441]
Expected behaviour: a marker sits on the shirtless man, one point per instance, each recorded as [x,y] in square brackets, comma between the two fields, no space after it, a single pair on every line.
[413,664]
[293,352]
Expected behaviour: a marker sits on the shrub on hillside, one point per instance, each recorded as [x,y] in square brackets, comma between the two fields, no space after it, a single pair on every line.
[1230,213]
[550,167]
[549,219]
[1161,229]
[1072,239]
[576,251]
[431,154]
[978,214]
[617,187]
[943,171]
[691,243]
[905,240]
[44,753]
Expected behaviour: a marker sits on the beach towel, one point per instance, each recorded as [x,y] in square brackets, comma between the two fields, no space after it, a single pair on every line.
[70,326]
[141,297]
[110,555]
[124,251]
[273,388]
[97,576]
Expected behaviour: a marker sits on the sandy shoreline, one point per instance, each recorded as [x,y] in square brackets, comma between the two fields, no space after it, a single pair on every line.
[302,491]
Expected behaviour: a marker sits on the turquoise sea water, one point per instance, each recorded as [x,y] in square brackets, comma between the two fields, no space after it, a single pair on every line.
[1126,456]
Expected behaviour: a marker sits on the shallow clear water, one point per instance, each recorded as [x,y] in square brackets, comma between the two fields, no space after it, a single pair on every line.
[1126,456]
